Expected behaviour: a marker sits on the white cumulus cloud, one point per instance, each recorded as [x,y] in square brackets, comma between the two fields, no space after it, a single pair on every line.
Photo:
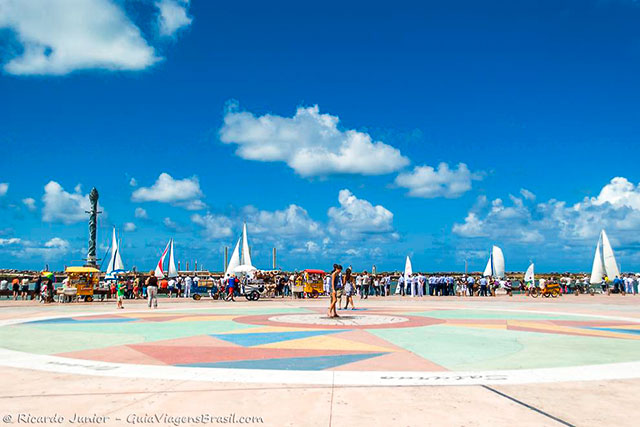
[4,187]
[62,206]
[179,192]
[169,223]
[428,182]
[10,241]
[309,142]
[499,221]
[129,226]
[60,36]
[173,16]
[355,217]
[30,203]
[528,195]
[50,250]
[141,213]
[616,208]
[214,226]
[618,193]
[294,221]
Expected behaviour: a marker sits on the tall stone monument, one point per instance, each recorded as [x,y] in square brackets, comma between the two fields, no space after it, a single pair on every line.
[92,261]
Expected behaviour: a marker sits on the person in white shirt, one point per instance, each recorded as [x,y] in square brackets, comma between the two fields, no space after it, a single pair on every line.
[462,286]
[24,288]
[366,281]
[421,283]
[413,280]
[483,286]
[376,285]
[327,284]
[541,282]
[188,283]
[359,285]
[628,284]
[171,286]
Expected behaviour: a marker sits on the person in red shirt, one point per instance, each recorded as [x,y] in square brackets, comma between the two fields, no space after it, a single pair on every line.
[15,284]
[164,284]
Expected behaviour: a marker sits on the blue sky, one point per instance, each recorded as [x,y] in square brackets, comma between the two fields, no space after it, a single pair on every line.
[353,133]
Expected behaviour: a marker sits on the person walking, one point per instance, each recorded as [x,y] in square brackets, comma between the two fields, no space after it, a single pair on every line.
[136,288]
[336,290]
[152,289]
[121,288]
[366,281]
[349,289]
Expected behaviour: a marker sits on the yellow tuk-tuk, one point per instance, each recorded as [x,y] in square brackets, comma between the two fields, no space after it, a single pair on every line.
[313,283]
[84,279]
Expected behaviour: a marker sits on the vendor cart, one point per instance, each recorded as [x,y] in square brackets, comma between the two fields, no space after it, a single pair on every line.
[313,285]
[83,279]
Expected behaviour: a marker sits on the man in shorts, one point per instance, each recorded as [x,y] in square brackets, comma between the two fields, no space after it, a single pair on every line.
[120,292]
[232,282]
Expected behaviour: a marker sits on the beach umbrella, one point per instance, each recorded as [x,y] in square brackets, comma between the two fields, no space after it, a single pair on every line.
[49,275]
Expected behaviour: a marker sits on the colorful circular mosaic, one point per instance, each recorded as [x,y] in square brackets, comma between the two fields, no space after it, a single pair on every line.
[299,339]
[347,320]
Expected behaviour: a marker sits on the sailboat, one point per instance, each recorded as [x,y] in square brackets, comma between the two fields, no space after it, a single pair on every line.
[115,263]
[241,262]
[604,261]
[529,276]
[172,272]
[495,264]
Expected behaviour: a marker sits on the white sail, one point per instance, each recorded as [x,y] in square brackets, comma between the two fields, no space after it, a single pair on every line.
[246,254]
[115,263]
[173,272]
[529,276]
[235,259]
[159,273]
[488,270]
[408,271]
[609,259]
[498,262]
[597,270]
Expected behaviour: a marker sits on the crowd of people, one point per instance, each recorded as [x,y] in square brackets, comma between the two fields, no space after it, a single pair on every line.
[19,288]
[336,284]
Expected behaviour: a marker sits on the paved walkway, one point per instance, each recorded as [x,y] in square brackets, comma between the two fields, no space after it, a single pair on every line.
[285,362]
